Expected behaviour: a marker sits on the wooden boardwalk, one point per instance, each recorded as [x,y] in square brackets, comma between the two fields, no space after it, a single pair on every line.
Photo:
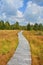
[22,55]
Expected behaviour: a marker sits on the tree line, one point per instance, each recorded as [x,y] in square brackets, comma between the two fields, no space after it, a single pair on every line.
[7,26]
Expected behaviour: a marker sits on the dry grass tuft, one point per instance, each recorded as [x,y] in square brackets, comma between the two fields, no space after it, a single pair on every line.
[8,44]
[36,44]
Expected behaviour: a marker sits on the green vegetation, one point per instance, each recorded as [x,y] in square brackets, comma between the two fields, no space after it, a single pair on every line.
[8,26]
[35,27]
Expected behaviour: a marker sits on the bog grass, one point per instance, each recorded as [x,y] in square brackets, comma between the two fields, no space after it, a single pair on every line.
[35,39]
[8,45]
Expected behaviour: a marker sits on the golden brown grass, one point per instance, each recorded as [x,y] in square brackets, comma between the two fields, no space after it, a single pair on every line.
[35,39]
[8,44]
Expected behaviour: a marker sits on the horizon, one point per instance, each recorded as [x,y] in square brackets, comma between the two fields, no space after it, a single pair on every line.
[26,11]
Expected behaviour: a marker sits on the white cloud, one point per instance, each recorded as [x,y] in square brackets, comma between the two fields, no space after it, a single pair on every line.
[15,3]
[9,10]
[31,23]
[33,12]
[40,20]
[3,16]
[18,17]
[10,7]
[19,13]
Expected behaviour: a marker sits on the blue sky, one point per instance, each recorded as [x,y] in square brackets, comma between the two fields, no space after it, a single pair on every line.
[24,5]
[23,11]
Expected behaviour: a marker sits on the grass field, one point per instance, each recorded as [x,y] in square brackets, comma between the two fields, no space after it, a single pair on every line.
[8,45]
[35,39]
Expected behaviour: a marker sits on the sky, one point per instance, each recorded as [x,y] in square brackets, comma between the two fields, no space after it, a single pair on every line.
[23,11]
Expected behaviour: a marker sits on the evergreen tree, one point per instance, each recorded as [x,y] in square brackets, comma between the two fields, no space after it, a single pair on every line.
[28,27]
[7,25]
[2,26]
[35,27]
